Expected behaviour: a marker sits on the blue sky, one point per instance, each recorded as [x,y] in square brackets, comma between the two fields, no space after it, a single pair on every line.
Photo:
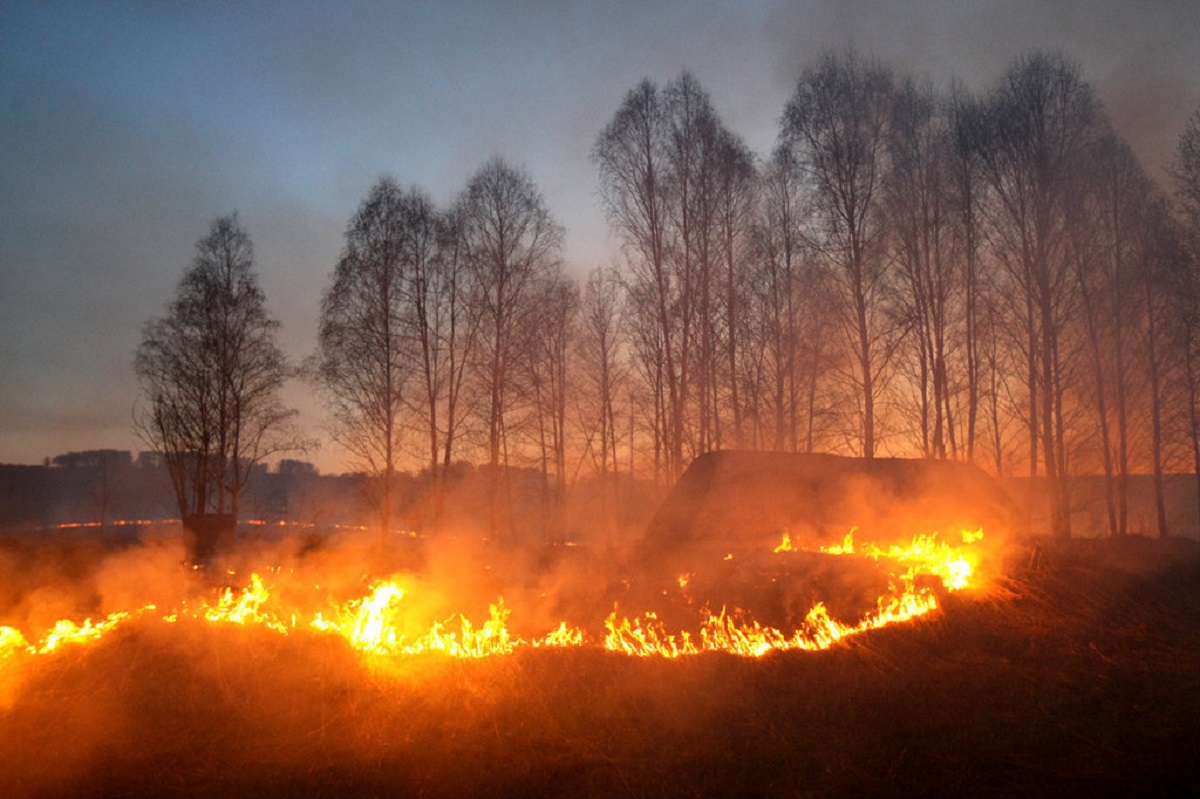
[126,127]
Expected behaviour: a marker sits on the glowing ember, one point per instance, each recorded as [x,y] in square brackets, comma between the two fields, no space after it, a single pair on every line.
[375,623]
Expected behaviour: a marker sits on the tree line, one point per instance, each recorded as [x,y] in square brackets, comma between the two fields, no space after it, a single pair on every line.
[910,271]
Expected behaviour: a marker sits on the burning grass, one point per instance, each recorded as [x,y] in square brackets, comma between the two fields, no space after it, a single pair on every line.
[1079,675]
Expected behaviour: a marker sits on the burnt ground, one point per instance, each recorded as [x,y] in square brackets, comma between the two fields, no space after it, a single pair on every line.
[1078,674]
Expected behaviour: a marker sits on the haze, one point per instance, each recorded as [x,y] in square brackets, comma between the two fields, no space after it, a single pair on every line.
[126,128]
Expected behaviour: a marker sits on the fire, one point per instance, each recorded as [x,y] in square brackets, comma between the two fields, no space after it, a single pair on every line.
[11,641]
[644,636]
[244,607]
[66,631]
[377,624]
[370,623]
[925,553]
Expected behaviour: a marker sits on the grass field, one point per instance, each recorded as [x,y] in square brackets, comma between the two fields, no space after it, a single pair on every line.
[1078,676]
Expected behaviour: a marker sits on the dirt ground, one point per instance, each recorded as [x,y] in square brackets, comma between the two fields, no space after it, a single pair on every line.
[1078,673]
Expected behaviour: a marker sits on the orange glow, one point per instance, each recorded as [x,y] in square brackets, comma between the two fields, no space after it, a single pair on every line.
[11,641]
[379,625]
[66,631]
[955,565]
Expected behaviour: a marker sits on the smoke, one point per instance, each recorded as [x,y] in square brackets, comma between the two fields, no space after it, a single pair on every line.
[1139,57]
[192,707]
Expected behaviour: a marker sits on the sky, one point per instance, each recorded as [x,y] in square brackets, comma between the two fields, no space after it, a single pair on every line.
[127,127]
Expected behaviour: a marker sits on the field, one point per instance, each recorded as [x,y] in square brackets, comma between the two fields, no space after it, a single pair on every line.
[1077,672]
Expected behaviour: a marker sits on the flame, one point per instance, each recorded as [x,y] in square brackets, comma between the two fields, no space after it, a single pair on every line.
[952,564]
[244,607]
[66,631]
[11,641]
[376,624]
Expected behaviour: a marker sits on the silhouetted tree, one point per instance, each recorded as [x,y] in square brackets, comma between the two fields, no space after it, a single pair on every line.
[210,373]
[631,157]
[365,351]
[836,124]
[737,185]
[917,207]
[966,200]
[509,242]
[1042,119]
[1185,283]
[550,339]
[602,370]
[445,326]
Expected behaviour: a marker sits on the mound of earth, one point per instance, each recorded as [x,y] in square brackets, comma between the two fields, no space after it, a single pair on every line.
[747,500]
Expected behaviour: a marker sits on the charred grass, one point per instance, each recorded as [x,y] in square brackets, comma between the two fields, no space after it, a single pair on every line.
[1078,673]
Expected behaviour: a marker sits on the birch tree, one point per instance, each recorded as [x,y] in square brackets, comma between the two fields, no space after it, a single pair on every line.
[210,372]
[366,358]
[836,123]
[510,243]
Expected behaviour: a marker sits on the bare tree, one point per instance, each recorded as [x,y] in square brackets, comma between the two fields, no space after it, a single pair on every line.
[509,242]
[551,335]
[917,193]
[836,123]
[603,373]
[444,326]
[1185,171]
[632,159]
[737,185]
[1160,255]
[210,372]
[675,184]
[1042,118]
[692,146]
[1185,283]
[1104,238]
[778,297]
[365,356]
[966,196]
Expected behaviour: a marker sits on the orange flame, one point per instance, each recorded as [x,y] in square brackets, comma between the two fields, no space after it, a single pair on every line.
[374,624]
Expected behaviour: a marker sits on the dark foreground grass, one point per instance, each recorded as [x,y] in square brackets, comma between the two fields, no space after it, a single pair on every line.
[1081,677]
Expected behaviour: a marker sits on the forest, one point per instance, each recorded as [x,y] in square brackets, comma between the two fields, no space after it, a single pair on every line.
[912,271]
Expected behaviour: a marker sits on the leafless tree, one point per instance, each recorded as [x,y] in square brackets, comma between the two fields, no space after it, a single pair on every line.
[550,341]
[966,197]
[366,355]
[1103,239]
[1042,118]
[603,373]
[210,372]
[444,326]
[631,158]
[917,206]
[676,185]
[1160,255]
[1185,283]
[510,243]
[736,189]
[836,124]
[778,299]
[693,158]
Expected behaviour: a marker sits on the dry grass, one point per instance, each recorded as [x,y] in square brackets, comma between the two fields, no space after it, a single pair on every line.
[1082,676]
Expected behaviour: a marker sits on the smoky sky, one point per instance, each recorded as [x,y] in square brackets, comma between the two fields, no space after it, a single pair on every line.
[125,128]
